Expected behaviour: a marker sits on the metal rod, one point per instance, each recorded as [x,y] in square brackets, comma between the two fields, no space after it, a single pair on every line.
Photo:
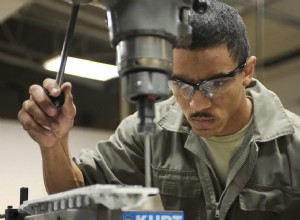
[66,45]
[58,101]
[147,160]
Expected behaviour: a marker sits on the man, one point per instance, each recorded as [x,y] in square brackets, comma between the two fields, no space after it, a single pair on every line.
[224,147]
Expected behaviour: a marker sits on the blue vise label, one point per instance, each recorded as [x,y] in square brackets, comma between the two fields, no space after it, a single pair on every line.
[164,215]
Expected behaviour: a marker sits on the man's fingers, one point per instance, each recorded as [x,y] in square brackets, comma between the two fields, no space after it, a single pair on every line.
[51,86]
[38,115]
[39,96]
[45,123]
[30,125]
[68,109]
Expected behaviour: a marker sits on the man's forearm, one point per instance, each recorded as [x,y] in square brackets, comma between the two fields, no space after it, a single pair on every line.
[60,172]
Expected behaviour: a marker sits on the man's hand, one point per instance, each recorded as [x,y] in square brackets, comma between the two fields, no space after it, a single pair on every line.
[45,123]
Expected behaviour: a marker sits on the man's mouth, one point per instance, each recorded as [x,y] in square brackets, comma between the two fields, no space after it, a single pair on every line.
[202,120]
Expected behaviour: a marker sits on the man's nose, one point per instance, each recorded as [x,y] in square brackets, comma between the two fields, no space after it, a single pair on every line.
[199,101]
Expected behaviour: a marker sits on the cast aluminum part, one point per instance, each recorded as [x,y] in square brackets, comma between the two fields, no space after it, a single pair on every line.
[112,197]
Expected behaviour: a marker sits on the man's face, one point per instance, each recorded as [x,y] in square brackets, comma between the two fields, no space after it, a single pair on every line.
[224,114]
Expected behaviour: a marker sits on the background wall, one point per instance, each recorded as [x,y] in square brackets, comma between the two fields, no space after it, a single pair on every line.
[20,163]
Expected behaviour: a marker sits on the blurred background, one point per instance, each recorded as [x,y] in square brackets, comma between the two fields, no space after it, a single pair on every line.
[32,31]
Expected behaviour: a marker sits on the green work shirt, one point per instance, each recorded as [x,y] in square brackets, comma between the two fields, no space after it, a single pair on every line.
[263,180]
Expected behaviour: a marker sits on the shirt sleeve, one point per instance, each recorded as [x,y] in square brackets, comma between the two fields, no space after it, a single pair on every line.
[118,160]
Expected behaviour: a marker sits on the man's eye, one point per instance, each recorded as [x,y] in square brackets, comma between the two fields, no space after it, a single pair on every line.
[182,85]
[218,83]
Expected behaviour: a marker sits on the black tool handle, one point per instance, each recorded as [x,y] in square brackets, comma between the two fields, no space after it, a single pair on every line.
[59,100]
[23,194]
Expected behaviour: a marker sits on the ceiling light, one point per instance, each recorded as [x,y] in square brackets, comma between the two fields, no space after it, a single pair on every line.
[83,68]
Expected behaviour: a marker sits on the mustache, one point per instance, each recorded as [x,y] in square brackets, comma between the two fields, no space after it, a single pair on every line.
[201,114]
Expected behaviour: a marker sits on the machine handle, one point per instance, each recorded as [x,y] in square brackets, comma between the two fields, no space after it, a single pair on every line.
[59,100]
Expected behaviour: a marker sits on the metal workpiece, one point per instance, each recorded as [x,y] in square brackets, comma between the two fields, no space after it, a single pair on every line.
[97,212]
[95,202]
[110,196]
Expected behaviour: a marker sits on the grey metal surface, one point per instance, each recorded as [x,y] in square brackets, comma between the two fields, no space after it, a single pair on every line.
[110,196]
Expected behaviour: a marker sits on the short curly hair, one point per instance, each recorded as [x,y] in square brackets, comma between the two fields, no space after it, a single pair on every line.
[220,24]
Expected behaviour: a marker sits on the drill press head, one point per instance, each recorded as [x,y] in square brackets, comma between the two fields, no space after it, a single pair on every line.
[144,33]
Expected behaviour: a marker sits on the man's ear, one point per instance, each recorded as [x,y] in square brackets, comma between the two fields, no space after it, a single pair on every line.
[249,70]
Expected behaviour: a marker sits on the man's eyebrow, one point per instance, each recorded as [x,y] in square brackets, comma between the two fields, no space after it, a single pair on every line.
[217,75]
[174,76]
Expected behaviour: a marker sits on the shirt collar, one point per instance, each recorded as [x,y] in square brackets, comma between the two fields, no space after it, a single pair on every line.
[270,117]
